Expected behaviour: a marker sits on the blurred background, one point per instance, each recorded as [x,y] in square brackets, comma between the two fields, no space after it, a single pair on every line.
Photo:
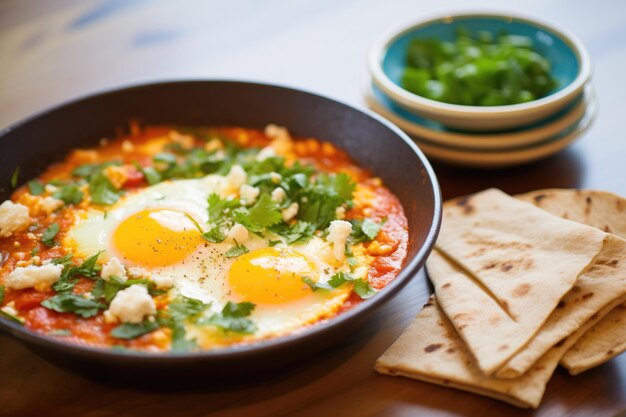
[52,51]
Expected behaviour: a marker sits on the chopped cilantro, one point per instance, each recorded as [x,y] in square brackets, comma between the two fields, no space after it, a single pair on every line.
[35,187]
[72,303]
[151,175]
[214,235]
[233,318]
[128,331]
[364,230]
[185,308]
[89,268]
[49,234]
[102,190]
[316,285]
[236,251]
[362,288]
[70,194]
[15,177]
[263,214]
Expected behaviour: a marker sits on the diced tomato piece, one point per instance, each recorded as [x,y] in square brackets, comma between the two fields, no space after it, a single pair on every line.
[135,178]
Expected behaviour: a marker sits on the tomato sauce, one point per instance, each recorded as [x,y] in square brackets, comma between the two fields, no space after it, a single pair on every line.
[388,251]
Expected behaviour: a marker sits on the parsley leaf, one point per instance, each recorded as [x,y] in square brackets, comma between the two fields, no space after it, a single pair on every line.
[298,232]
[364,230]
[316,285]
[214,235]
[343,185]
[102,189]
[151,175]
[70,194]
[88,268]
[236,251]
[363,289]
[233,318]
[217,206]
[128,331]
[185,308]
[35,187]
[49,234]
[72,303]
[15,177]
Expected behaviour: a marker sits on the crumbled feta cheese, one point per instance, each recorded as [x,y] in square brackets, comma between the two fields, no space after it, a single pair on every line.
[50,204]
[132,304]
[163,282]
[248,194]
[38,277]
[117,175]
[137,272]
[236,177]
[320,249]
[338,233]
[279,195]
[265,153]
[113,268]
[51,189]
[275,177]
[238,233]
[13,217]
[290,212]
[340,213]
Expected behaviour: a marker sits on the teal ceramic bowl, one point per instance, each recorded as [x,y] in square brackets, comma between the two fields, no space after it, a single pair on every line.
[570,66]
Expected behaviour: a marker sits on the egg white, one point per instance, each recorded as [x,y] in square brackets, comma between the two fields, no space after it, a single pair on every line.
[203,274]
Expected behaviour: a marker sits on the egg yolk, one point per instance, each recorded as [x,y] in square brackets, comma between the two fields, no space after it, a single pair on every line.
[156,237]
[270,276]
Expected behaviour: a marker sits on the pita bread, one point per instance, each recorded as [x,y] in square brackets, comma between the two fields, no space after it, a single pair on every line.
[605,211]
[602,342]
[524,259]
[430,350]
[600,209]
[601,284]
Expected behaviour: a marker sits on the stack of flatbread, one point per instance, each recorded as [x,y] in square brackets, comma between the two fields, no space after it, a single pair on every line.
[521,285]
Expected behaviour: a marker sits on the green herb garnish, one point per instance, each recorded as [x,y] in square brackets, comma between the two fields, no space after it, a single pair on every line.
[36,187]
[128,331]
[233,318]
[478,70]
[49,234]
[72,303]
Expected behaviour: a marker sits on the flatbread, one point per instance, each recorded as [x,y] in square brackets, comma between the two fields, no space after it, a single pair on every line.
[605,211]
[602,342]
[430,350]
[601,284]
[525,260]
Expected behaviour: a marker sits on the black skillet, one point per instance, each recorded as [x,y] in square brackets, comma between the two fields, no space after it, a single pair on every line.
[370,140]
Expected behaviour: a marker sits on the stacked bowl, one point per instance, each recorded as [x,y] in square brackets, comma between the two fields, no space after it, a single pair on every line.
[486,136]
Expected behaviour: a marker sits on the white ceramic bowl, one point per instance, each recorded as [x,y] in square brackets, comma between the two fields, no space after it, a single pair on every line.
[568,57]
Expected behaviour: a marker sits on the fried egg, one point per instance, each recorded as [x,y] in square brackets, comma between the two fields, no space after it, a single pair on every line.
[155,229]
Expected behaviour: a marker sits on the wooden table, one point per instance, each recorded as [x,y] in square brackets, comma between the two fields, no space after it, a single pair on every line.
[55,50]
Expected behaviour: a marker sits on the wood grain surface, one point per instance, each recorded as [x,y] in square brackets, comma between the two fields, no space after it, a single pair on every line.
[52,51]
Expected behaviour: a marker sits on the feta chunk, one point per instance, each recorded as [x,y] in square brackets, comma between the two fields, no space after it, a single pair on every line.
[248,194]
[113,268]
[290,212]
[340,213]
[275,177]
[32,276]
[163,282]
[132,305]
[13,217]
[137,272]
[279,195]
[338,233]
[238,233]
[50,204]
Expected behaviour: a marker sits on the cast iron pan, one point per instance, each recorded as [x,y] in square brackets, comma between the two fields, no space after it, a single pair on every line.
[370,140]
